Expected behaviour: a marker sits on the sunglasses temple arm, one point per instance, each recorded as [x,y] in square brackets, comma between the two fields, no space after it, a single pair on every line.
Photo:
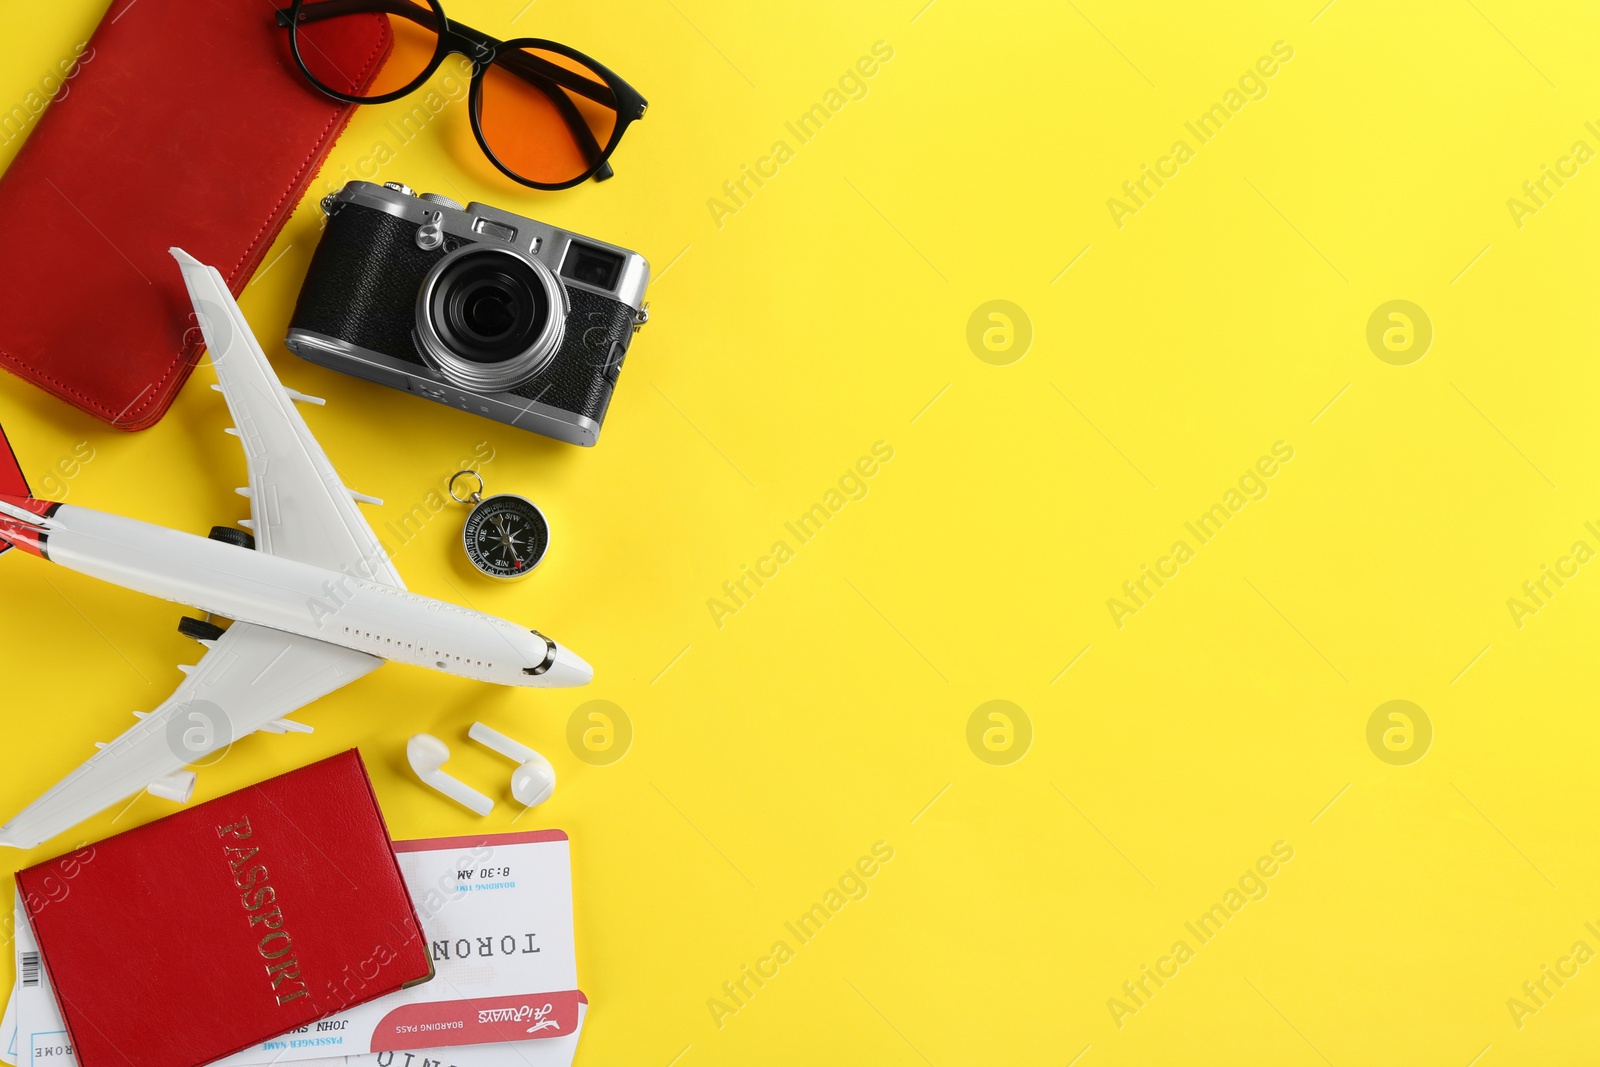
[331,9]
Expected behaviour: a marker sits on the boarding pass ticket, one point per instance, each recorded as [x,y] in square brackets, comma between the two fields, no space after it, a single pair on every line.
[8,1030]
[548,1052]
[497,914]
[41,1037]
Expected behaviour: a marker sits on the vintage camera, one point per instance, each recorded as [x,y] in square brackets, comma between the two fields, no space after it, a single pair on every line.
[473,307]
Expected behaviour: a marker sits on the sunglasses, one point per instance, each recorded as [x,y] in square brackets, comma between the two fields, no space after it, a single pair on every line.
[546,115]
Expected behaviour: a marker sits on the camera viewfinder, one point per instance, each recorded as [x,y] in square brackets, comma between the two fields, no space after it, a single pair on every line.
[592,266]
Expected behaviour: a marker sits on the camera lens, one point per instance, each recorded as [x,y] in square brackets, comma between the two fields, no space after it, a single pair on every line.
[490,317]
[488,311]
[488,307]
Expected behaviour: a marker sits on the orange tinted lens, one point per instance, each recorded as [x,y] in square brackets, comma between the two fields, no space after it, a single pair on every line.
[340,52]
[546,117]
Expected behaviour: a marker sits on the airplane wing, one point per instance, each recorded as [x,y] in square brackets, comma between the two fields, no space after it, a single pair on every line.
[301,509]
[250,677]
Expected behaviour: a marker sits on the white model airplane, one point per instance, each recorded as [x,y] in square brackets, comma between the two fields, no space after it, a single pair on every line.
[316,604]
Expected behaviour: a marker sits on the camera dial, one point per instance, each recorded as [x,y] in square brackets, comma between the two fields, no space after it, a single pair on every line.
[489,317]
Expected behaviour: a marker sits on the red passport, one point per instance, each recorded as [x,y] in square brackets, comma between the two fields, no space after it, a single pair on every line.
[208,931]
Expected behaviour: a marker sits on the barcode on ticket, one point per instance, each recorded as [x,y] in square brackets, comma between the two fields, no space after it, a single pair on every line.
[28,963]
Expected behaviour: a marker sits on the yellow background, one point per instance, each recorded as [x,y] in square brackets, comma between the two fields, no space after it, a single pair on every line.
[830,312]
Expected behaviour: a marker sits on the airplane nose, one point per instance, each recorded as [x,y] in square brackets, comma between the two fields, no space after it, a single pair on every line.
[569,669]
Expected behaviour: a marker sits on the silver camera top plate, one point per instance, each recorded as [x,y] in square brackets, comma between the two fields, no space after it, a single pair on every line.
[480,222]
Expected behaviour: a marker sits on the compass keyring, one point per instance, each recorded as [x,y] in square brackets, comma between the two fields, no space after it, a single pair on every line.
[472,498]
[505,536]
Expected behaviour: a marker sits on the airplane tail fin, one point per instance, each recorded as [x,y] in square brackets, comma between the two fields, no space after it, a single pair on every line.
[12,482]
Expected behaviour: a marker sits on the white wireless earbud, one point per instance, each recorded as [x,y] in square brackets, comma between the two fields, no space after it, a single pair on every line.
[534,780]
[533,783]
[427,755]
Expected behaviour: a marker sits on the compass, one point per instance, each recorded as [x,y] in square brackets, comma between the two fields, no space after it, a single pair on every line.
[506,535]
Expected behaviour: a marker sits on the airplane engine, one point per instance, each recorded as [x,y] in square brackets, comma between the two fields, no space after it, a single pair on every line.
[178,786]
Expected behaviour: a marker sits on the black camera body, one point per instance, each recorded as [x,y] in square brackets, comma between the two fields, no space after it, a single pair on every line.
[476,308]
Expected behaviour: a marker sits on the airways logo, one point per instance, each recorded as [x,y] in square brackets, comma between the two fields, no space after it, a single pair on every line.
[521,1015]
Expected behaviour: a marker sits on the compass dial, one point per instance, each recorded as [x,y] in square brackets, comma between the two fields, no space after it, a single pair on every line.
[506,536]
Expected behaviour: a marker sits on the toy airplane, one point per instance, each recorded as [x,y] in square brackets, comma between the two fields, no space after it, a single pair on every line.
[316,604]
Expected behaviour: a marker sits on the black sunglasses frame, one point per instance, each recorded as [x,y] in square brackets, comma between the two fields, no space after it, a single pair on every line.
[484,51]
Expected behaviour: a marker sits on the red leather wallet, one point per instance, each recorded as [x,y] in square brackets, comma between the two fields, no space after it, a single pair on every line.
[187,123]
